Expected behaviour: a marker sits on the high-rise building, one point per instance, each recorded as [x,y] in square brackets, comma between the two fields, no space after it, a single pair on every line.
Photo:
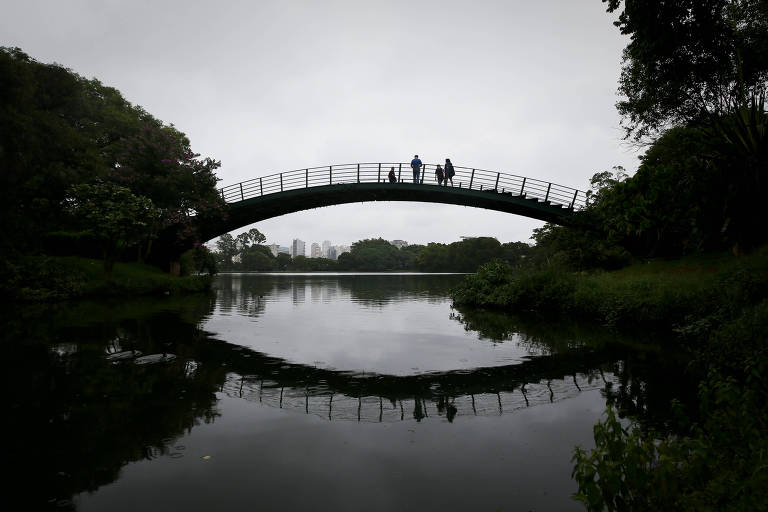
[276,249]
[332,252]
[315,251]
[326,248]
[297,248]
[398,243]
[341,249]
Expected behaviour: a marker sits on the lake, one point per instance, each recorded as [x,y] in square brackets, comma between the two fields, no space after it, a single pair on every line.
[311,392]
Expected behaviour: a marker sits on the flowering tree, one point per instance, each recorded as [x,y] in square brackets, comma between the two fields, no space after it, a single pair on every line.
[157,163]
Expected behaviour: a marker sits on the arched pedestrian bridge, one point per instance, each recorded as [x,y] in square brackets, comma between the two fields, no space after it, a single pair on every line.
[302,189]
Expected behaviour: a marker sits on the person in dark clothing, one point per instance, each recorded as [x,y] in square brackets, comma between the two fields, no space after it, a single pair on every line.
[416,166]
[439,174]
[392,177]
[449,171]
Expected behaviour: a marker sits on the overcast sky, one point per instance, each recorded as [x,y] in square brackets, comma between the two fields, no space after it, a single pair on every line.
[527,87]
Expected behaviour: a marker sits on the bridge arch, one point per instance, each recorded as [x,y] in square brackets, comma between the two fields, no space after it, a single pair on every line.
[303,189]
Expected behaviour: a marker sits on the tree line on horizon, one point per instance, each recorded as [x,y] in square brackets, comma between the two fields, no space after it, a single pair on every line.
[247,253]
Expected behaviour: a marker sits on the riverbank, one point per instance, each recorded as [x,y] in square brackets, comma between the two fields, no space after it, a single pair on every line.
[684,295]
[715,307]
[65,278]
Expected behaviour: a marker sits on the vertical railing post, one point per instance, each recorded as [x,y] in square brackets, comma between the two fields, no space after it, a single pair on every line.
[261,187]
[242,197]
[378,180]
[471,178]
[423,172]
[573,201]
[306,178]
[496,187]
[546,197]
[358,173]
[281,182]
[222,196]
[330,175]
[522,188]
[399,171]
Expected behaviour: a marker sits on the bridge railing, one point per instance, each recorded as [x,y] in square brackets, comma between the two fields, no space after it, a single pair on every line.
[378,172]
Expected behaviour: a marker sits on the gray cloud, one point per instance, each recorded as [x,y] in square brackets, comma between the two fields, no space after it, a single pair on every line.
[524,87]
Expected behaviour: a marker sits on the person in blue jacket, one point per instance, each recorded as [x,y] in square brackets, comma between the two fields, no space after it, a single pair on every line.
[416,166]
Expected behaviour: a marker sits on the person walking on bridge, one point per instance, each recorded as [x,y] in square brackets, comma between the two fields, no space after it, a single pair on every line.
[416,166]
[449,171]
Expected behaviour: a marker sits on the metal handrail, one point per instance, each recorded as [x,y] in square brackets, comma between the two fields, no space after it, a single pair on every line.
[370,172]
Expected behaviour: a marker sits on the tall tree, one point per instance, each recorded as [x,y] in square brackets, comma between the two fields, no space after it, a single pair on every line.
[704,64]
[690,60]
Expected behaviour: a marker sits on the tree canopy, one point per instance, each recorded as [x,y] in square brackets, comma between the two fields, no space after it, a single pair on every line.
[58,129]
[690,60]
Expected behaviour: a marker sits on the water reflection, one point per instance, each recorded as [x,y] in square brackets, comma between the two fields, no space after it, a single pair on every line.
[81,408]
[249,293]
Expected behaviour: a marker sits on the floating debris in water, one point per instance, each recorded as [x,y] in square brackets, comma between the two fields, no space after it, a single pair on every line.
[155,358]
[122,356]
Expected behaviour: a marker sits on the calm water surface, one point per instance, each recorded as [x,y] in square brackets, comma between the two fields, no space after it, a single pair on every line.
[310,392]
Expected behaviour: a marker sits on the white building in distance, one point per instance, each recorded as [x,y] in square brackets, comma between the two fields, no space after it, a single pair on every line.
[398,243]
[341,249]
[315,252]
[298,248]
[276,249]
[326,247]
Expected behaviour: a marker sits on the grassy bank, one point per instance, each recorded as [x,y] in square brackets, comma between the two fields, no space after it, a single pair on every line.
[685,295]
[63,278]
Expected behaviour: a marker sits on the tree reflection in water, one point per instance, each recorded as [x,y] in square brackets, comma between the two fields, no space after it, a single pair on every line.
[76,418]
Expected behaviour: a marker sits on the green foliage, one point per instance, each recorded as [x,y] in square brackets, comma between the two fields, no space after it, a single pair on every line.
[157,162]
[658,296]
[719,465]
[371,255]
[690,60]
[58,129]
[44,278]
[199,260]
[463,256]
[576,248]
[257,257]
[488,287]
[113,215]
[227,250]
[701,69]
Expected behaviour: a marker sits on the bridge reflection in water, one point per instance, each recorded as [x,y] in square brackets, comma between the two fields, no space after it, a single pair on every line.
[323,403]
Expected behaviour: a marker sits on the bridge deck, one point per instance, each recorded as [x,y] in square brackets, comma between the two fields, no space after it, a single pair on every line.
[302,189]
[465,178]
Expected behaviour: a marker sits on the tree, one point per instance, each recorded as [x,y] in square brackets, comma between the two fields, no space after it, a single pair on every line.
[703,64]
[227,249]
[113,215]
[690,61]
[258,258]
[370,254]
[56,129]
[282,261]
[157,162]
